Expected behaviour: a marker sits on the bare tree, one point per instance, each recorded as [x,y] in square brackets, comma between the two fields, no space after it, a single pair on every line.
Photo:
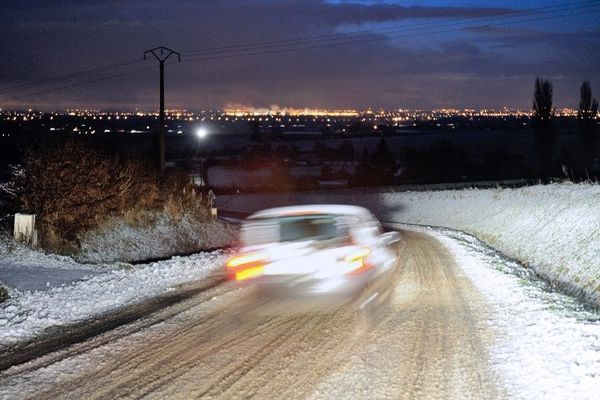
[542,99]
[544,130]
[588,106]
[588,109]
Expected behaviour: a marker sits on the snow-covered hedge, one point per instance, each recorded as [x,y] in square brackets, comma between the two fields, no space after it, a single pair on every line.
[117,240]
[120,240]
[554,229]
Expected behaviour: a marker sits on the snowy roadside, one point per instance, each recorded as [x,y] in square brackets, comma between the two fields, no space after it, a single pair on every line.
[23,268]
[47,290]
[547,344]
[28,313]
[16,254]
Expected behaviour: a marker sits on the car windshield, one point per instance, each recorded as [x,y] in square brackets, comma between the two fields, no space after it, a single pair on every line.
[304,228]
[293,228]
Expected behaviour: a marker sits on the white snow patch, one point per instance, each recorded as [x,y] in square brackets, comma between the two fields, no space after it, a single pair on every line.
[16,254]
[27,314]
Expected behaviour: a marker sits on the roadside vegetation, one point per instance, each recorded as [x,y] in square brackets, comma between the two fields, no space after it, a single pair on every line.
[3,294]
[76,192]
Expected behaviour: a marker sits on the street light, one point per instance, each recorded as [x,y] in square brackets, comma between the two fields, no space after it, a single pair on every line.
[201,132]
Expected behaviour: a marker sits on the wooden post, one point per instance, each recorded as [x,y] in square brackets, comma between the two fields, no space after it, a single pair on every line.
[25,229]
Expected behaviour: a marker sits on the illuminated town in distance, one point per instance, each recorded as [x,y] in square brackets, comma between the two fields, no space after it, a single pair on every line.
[86,122]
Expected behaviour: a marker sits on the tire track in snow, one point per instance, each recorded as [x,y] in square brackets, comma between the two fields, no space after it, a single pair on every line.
[65,337]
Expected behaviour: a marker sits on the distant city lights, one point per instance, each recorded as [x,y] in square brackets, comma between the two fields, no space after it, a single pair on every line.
[285,111]
[274,120]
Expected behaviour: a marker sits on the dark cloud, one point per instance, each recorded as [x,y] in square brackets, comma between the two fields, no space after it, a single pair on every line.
[45,39]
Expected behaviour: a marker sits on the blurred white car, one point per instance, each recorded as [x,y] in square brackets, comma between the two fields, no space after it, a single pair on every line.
[314,250]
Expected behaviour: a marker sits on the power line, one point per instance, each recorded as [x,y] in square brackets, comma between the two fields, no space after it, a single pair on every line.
[389,30]
[74,75]
[372,39]
[101,79]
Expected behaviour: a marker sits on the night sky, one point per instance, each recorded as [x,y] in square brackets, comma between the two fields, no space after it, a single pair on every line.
[437,53]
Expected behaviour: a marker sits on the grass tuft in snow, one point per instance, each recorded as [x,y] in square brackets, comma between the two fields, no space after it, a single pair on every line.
[3,294]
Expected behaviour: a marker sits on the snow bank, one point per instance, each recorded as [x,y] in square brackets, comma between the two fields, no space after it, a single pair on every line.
[27,314]
[554,229]
[548,348]
[117,240]
[24,267]
[17,254]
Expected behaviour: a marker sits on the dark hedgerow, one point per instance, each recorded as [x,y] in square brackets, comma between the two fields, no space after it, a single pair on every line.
[3,294]
[72,189]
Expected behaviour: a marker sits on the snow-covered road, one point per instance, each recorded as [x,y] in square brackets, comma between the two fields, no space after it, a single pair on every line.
[455,327]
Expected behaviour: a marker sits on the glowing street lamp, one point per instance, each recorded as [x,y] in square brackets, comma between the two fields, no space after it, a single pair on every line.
[201,132]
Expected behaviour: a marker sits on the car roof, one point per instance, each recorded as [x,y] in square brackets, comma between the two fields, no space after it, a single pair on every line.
[310,209]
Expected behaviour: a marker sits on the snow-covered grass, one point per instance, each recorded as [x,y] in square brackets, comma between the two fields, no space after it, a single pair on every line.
[27,314]
[548,346]
[117,240]
[554,229]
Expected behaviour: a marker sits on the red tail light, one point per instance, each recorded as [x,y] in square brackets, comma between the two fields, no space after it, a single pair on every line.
[358,261]
[248,273]
[246,266]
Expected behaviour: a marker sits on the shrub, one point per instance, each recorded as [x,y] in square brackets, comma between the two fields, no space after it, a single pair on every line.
[3,294]
[73,189]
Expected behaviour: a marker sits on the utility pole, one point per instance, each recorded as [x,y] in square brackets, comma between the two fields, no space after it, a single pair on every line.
[161,54]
